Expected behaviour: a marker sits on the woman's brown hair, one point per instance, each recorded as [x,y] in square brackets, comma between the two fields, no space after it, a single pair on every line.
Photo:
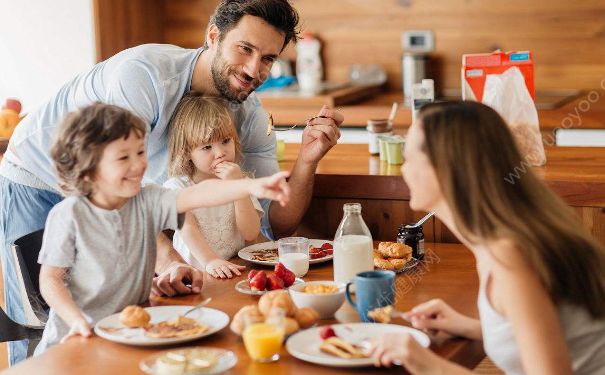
[493,195]
[198,120]
[81,139]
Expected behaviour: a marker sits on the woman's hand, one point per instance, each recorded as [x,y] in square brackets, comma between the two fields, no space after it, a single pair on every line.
[80,327]
[227,170]
[437,316]
[403,349]
[222,269]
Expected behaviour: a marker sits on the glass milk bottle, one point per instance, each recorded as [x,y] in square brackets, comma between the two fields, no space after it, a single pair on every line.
[352,245]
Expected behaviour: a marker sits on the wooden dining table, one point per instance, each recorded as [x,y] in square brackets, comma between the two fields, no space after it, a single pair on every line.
[447,272]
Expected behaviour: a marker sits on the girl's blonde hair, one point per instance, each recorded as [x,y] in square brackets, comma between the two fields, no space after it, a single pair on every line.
[198,120]
[494,194]
[81,139]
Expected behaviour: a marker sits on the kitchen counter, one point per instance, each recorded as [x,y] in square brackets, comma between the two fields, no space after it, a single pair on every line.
[586,111]
[349,173]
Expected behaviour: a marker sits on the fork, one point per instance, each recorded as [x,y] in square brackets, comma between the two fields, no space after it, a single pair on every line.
[198,306]
[271,127]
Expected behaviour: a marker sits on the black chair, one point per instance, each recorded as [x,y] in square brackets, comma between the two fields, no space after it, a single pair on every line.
[24,252]
[13,331]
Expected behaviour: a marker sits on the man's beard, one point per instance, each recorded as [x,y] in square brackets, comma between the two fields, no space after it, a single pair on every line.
[220,75]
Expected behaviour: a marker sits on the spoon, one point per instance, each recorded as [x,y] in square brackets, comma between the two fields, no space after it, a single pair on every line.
[419,223]
[393,112]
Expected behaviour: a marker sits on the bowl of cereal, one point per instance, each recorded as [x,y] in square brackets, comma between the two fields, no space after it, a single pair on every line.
[325,297]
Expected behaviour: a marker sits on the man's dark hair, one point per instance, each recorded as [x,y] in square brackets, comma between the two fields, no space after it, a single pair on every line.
[277,13]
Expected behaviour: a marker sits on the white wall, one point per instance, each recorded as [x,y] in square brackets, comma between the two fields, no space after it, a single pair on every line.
[42,45]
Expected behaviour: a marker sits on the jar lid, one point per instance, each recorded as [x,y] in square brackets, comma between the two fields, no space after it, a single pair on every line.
[379,126]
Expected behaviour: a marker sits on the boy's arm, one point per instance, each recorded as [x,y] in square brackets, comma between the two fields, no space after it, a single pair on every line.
[56,295]
[215,192]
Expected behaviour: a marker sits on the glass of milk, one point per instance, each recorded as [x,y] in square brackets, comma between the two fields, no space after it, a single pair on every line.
[293,253]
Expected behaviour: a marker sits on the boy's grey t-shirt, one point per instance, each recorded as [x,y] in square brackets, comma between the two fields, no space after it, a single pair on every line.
[109,255]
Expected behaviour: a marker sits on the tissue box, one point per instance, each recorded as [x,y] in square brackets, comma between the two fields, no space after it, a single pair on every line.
[475,67]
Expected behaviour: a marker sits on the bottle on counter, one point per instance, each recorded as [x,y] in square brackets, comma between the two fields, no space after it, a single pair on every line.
[413,237]
[309,70]
[352,245]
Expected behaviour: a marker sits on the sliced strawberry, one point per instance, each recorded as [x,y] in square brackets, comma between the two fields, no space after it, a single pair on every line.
[280,270]
[251,274]
[317,255]
[274,283]
[288,278]
[326,246]
[259,281]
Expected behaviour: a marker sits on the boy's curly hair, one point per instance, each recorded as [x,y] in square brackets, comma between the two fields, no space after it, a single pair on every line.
[81,139]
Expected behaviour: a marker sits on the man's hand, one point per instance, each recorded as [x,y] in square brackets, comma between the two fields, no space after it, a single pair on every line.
[173,280]
[321,135]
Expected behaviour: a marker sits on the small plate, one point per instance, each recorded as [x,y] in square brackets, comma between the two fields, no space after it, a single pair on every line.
[408,266]
[225,360]
[243,287]
[214,319]
[304,345]
[247,252]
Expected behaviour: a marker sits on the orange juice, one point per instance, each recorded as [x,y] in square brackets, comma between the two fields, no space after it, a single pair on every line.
[263,341]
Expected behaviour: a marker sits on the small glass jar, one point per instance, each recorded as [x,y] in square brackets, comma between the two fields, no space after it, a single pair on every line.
[413,237]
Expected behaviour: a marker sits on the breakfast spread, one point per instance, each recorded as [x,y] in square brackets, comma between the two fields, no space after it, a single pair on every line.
[392,256]
[337,346]
[135,317]
[320,289]
[295,318]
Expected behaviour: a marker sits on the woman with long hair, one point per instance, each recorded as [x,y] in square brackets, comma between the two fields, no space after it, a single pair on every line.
[542,276]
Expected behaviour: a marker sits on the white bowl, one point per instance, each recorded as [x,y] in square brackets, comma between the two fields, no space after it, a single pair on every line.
[325,304]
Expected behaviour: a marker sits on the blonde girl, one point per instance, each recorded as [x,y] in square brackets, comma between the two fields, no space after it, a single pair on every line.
[542,276]
[204,145]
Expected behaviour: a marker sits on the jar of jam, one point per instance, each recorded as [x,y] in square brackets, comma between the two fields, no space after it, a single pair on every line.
[413,237]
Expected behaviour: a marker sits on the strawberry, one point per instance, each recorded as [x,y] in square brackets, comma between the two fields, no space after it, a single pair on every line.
[274,282]
[251,274]
[326,332]
[328,251]
[259,281]
[327,246]
[288,278]
[280,270]
[318,254]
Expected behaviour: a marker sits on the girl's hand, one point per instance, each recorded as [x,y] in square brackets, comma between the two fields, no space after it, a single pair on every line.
[403,349]
[227,170]
[222,269]
[79,327]
[437,316]
[273,187]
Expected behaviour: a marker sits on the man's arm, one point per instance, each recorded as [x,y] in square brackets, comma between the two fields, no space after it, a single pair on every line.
[317,140]
[173,272]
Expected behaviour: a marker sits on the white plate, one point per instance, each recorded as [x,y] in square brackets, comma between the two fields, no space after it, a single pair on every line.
[304,345]
[226,359]
[214,319]
[246,255]
[243,287]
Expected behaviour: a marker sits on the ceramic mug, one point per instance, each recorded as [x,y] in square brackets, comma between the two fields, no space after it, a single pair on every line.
[373,289]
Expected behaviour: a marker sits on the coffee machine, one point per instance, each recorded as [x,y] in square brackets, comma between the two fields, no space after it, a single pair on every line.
[416,45]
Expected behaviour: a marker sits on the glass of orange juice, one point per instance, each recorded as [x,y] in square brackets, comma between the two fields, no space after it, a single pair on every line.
[263,341]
